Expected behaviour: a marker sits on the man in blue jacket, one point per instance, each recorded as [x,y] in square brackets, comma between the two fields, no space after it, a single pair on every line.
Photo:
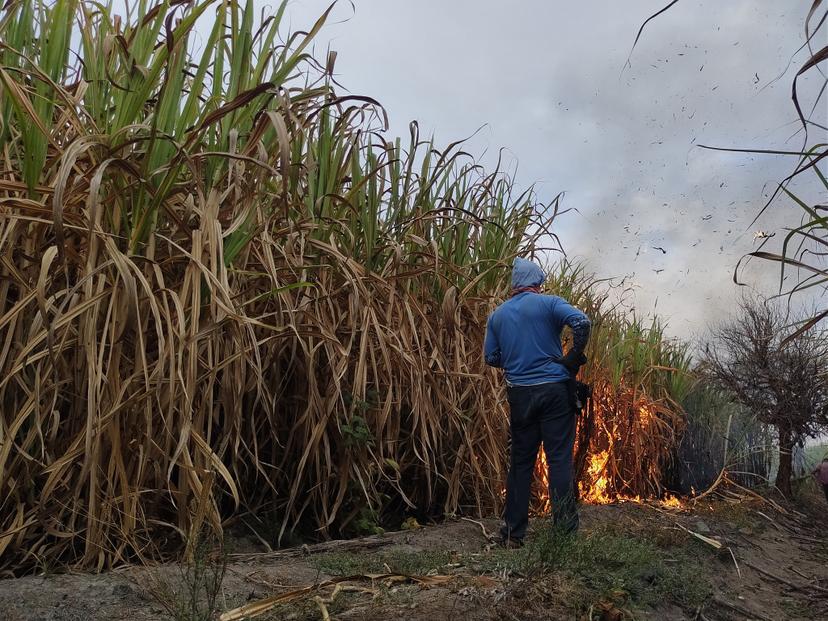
[523,337]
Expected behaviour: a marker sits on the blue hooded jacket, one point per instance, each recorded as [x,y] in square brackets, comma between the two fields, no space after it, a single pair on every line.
[523,335]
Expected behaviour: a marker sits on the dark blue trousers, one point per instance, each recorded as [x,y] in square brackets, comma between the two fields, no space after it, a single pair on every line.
[543,413]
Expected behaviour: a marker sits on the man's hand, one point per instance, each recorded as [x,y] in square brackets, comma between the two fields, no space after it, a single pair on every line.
[573,361]
[494,359]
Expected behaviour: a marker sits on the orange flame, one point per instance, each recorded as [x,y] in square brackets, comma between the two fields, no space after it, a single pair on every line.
[671,502]
[596,484]
[594,488]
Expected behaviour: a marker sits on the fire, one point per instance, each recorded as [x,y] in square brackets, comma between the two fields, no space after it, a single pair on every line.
[595,488]
[607,463]
[671,502]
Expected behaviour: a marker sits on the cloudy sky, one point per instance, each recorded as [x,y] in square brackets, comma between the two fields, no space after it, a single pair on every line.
[544,80]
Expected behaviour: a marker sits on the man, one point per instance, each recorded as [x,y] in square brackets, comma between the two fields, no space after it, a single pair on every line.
[523,337]
[821,474]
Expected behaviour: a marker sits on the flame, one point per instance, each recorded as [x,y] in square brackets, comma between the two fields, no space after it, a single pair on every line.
[671,502]
[598,485]
[595,488]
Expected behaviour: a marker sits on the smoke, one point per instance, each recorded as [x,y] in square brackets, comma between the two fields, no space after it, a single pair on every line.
[548,82]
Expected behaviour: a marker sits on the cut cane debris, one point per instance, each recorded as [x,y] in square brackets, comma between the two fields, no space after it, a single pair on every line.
[350,583]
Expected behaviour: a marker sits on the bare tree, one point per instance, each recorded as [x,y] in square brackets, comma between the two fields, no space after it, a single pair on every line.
[782,380]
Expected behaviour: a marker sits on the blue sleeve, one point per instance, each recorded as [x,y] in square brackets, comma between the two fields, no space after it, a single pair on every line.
[564,314]
[491,348]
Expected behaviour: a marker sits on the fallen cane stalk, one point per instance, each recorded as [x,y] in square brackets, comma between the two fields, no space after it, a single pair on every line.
[733,556]
[322,608]
[792,585]
[740,609]
[708,540]
[254,609]
[486,534]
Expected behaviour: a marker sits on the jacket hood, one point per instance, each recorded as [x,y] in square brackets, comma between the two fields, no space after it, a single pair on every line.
[526,274]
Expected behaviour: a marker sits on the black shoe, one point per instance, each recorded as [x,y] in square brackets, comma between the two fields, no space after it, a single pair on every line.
[510,544]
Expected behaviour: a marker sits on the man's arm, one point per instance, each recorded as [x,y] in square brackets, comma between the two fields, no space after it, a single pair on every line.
[581,326]
[491,348]
[567,315]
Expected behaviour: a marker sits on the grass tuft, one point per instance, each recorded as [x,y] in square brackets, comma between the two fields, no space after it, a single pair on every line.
[608,564]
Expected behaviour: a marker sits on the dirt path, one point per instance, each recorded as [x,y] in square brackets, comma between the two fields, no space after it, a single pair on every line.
[631,561]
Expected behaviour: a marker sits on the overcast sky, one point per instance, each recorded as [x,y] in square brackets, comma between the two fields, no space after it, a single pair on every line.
[545,79]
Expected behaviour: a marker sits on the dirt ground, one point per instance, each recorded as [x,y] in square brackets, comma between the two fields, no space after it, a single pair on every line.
[630,561]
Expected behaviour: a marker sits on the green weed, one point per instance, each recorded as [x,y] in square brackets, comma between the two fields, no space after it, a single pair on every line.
[605,562]
[194,595]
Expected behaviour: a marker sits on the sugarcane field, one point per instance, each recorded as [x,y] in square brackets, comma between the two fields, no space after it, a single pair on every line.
[383,310]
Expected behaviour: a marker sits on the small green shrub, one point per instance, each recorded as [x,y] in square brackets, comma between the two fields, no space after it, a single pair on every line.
[357,433]
[194,595]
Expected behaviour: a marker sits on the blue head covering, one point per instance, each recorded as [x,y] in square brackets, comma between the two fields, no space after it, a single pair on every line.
[526,274]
